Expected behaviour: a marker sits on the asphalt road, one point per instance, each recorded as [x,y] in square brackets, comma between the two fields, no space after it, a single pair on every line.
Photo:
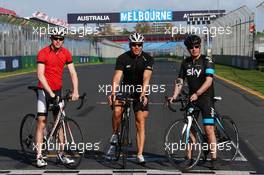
[95,120]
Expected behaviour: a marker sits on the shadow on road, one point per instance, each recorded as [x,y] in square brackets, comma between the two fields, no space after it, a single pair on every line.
[16,155]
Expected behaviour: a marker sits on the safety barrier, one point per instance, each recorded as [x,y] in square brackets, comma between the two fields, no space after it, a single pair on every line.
[9,64]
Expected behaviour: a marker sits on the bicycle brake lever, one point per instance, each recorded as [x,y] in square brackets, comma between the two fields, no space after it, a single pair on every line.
[83,99]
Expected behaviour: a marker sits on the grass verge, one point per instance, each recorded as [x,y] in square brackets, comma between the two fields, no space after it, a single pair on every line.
[252,79]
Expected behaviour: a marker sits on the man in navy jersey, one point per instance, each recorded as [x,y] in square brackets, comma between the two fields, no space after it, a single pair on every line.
[198,70]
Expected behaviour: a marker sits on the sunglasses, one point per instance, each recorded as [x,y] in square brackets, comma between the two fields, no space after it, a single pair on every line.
[195,46]
[137,44]
[57,38]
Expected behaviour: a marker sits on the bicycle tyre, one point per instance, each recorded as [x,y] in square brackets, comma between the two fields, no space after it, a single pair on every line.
[27,134]
[121,147]
[72,150]
[229,136]
[125,144]
[174,136]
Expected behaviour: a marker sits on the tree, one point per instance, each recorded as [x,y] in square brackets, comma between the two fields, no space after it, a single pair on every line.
[142,27]
[125,31]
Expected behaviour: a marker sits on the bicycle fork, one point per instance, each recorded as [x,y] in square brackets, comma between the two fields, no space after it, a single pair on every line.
[186,128]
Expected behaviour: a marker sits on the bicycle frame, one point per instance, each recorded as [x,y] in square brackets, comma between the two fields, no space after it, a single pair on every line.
[187,127]
[128,114]
[190,131]
[193,123]
[60,118]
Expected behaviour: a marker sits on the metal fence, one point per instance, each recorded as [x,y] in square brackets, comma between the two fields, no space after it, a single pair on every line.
[237,47]
[260,17]
[18,37]
[20,43]
[259,39]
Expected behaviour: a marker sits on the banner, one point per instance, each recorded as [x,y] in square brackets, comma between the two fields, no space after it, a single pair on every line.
[134,16]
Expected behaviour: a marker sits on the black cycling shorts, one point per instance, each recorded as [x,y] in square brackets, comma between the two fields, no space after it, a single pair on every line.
[137,105]
[206,105]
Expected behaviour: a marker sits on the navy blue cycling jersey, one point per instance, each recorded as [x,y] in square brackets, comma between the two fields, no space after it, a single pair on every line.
[133,67]
[196,71]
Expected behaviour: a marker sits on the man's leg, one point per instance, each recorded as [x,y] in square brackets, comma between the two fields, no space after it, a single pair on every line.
[207,107]
[140,125]
[61,135]
[116,119]
[116,116]
[41,124]
[189,146]
[209,130]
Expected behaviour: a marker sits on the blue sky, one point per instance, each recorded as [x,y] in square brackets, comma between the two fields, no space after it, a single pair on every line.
[60,8]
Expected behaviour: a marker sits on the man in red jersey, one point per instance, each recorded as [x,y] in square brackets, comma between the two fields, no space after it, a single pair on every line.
[50,65]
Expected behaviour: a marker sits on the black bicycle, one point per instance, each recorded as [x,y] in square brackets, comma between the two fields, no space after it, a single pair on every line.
[72,134]
[124,137]
[186,135]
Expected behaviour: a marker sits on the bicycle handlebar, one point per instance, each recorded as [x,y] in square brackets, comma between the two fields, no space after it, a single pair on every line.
[66,98]
[185,101]
[182,100]
[125,99]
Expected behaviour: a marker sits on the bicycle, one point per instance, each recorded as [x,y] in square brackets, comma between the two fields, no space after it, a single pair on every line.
[72,134]
[182,131]
[124,137]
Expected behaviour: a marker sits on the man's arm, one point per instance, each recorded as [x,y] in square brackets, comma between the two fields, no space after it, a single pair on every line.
[43,80]
[146,79]
[177,88]
[179,82]
[74,79]
[115,83]
[116,80]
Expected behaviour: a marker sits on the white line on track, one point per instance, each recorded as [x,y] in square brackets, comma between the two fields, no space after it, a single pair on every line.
[120,171]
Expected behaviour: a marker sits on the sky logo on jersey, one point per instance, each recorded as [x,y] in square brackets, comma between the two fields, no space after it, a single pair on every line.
[194,72]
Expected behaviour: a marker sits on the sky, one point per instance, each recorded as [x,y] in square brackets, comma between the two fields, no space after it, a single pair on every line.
[60,8]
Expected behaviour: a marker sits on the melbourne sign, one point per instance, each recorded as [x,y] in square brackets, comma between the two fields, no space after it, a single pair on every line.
[134,16]
[146,16]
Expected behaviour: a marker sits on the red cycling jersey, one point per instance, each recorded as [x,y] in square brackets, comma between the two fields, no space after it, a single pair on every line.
[54,63]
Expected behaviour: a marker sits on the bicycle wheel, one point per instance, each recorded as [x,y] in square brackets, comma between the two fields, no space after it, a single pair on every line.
[227,138]
[27,134]
[125,143]
[74,146]
[121,148]
[177,143]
